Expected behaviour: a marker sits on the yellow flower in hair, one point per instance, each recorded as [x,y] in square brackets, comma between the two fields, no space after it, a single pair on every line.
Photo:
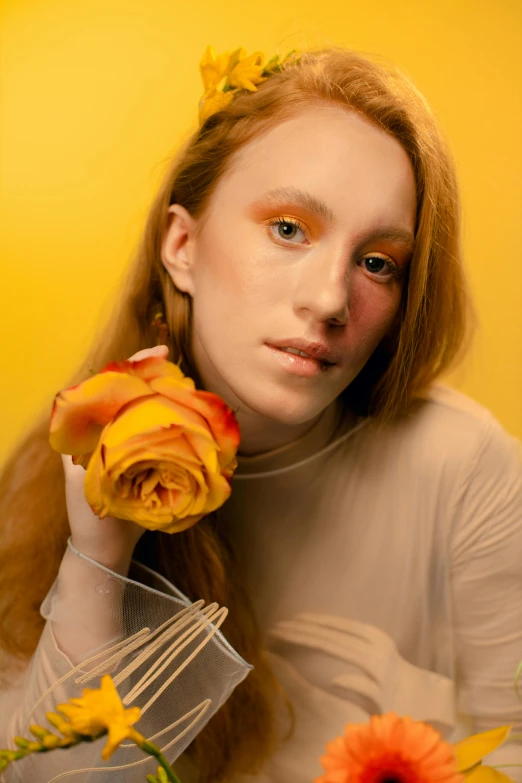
[247,72]
[213,101]
[223,75]
[213,68]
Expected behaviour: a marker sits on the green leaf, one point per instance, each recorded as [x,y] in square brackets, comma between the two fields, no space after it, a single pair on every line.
[271,63]
[471,751]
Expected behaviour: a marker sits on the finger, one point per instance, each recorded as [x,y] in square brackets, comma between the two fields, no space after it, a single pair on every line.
[71,470]
[158,350]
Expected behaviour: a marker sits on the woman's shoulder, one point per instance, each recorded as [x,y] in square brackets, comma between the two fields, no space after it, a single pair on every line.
[446,433]
[444,398]
[453,422]
[483,466]
[452,452]
[443,404]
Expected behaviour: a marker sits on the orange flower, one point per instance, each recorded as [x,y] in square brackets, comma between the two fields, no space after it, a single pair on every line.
[389,750]
[156,450]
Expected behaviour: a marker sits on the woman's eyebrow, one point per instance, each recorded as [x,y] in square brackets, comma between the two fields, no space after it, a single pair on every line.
[402,236]
[294,196]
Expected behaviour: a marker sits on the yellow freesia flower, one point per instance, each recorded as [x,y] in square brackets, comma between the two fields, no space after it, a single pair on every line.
[99,710]
[213,68]
[213,101]
[226,73]
[246,73]
[471,751]
[59,722]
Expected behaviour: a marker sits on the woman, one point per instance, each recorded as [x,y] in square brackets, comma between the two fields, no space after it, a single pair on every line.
[305,251]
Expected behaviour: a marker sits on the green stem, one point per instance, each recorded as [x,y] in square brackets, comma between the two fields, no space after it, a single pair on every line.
[500,766]
[168,769]
[141,742]
[153,750]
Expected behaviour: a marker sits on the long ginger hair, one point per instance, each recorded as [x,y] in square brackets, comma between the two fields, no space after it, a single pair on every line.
[431,334]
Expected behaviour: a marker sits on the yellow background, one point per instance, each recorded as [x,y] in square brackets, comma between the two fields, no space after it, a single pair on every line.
[96,94]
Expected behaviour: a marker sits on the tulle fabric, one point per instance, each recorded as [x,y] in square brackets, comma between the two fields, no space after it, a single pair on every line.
[167,656]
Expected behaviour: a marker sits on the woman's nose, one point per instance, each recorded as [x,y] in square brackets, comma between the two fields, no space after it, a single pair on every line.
[322,288]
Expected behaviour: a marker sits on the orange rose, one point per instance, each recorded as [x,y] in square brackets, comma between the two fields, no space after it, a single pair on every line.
[156,451]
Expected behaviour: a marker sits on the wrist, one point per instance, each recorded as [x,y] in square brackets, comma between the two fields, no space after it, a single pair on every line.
[116,561]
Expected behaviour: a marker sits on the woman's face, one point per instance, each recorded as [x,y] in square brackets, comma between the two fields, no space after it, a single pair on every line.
[307,238]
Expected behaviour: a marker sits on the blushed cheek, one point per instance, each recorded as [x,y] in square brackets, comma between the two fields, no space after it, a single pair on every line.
[372,313]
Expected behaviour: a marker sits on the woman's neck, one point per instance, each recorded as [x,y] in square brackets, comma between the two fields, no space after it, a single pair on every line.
[259,437]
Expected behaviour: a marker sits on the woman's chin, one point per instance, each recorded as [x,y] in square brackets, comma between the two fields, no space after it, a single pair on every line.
[282,412]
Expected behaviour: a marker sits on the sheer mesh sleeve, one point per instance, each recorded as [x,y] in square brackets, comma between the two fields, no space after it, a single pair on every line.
[165,655]
[487,589]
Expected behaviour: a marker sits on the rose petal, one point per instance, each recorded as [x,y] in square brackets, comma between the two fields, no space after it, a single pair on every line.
[109,466]
[212,491]
[152,415]
[150,368]
[121,458]
[93,483]
[219,490]
[157,464]
[188,502]
[213,409]
[173,443]
[198,439]
[81,412]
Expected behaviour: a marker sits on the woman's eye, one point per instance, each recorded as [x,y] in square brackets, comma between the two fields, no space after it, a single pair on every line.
[377,265]
[286,228]
[381,267]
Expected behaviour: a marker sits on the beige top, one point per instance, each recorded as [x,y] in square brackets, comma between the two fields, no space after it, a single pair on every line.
[386,574]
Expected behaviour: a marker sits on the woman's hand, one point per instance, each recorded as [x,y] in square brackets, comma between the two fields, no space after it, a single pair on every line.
[109,541]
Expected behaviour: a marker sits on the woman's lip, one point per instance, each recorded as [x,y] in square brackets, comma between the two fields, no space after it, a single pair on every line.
[298,365]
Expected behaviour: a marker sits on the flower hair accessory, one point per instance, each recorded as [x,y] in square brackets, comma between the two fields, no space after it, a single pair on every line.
[223,75]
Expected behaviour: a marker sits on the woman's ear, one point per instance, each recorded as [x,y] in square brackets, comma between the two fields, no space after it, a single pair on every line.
[177,249]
